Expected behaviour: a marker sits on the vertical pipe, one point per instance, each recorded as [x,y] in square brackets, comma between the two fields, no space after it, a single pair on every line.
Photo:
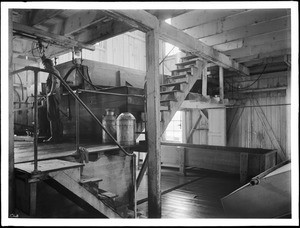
[35,120]
[77,122]
[221,81]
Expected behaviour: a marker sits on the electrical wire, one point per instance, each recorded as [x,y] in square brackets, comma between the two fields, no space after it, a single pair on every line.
[246,87]
[166,56]
[21,86]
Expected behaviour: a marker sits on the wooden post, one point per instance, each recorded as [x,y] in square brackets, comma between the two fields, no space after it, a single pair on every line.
[204,81]
[153,125]
[221,82]
[11,159]
[35,142]
[77,122]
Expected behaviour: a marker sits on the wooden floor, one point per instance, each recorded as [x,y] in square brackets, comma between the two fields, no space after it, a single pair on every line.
[24,152]
[196,195]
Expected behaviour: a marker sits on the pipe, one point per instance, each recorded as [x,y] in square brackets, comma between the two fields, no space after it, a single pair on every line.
[79,100]
[115,94]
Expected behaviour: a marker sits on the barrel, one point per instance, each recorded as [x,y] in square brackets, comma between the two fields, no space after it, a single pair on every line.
[109,123]
[126,129]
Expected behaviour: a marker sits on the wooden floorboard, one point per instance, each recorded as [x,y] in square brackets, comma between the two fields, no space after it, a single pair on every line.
[197,199]
[23,150]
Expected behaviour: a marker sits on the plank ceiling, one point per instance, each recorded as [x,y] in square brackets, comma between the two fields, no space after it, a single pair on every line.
[252,37]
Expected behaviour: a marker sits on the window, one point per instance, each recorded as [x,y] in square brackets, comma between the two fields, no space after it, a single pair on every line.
[173,132]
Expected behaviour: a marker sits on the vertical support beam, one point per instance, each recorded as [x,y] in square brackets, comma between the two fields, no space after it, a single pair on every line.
[204,81]
[221,82]
[77,122]
[153,124]
[288,116]
[35,142]
[11,160]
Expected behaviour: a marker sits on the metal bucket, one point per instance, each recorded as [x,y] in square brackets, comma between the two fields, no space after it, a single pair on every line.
[109,122]
[126,129]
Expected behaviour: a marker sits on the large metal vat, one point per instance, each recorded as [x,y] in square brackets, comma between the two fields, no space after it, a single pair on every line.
[109,122]
[126,129]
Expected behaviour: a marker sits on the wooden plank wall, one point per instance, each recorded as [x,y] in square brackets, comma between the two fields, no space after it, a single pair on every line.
[249,130]
[126,50]
[107,74]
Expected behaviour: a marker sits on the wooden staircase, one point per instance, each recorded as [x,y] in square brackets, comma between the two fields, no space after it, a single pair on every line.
[177,87]
[173,93]
[69,179]
[87,190]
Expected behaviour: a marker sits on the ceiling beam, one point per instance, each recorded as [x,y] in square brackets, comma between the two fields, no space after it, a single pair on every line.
[138,19]
[275,59]
[216,37]
[143,20]
[40,16]
[247,18]
[255,40]
[202,16]
[259,49]
[264,55]
[82,20]
[102,32]
[184,41]
[51,38]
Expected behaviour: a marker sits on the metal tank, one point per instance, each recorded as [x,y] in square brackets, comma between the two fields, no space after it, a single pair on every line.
[109,122]
[126,129]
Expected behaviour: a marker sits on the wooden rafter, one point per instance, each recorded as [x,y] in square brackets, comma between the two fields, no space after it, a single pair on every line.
[103,32]
[237,21]
[259,49]
[82,20]
[34,33]
[198,17]
[144,21]
[40,16]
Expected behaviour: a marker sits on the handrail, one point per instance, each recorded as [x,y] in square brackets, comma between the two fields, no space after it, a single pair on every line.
[36,69]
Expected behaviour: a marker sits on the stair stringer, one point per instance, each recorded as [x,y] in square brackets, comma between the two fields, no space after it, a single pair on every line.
[73,185]
[175,105]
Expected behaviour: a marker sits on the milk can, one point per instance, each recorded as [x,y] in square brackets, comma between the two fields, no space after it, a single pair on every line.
[126,129]
[109,122]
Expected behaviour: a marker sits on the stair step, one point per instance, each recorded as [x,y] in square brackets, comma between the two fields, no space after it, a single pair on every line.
[190,62]
[186,69]
[187,58]
[178,76]
[105,195]
[164,108]
[173,84]
[170,92]
[165,101]
[90,180]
